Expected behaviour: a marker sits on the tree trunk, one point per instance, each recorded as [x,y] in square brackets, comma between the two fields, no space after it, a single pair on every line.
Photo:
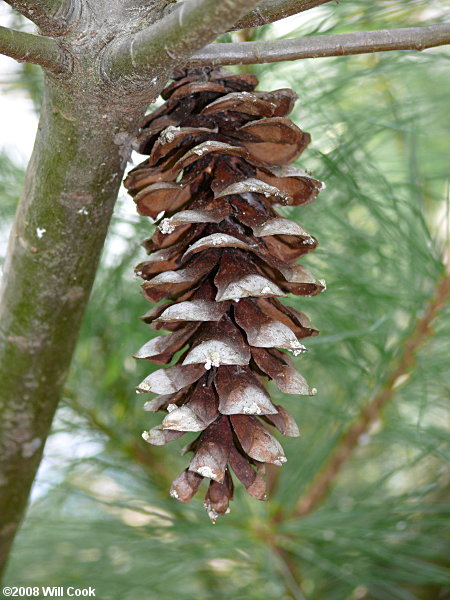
[71,185]
[90,114]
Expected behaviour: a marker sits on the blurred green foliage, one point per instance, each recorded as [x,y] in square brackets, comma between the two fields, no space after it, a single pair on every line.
[102,515]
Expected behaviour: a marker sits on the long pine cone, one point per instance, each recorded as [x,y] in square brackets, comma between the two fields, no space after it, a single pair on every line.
[222,257]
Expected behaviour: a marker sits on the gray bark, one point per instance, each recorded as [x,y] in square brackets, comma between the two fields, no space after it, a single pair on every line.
[344,44]
[25,47]
[72,181]
[71,185]
[176,37]
[274,10]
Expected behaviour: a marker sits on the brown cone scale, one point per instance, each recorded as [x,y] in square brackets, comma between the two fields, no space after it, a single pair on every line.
[221,257]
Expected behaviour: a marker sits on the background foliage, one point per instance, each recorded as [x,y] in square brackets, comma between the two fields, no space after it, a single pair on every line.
[101,514]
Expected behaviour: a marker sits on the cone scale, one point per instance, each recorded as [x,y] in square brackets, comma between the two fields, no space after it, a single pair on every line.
[221,259]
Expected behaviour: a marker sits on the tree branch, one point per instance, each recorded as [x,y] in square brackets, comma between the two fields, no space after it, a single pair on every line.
[173,39]
[371,412]
[25,47]
[274,10]
[51,16]
[411,38]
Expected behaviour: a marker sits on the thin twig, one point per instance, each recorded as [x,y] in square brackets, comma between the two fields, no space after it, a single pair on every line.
[371,412]
[173,39]
[270,11]
[26,47]
[410,38]
[289,572]
[286,564]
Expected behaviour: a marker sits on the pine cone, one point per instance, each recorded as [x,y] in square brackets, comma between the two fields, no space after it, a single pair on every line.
[222,256]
